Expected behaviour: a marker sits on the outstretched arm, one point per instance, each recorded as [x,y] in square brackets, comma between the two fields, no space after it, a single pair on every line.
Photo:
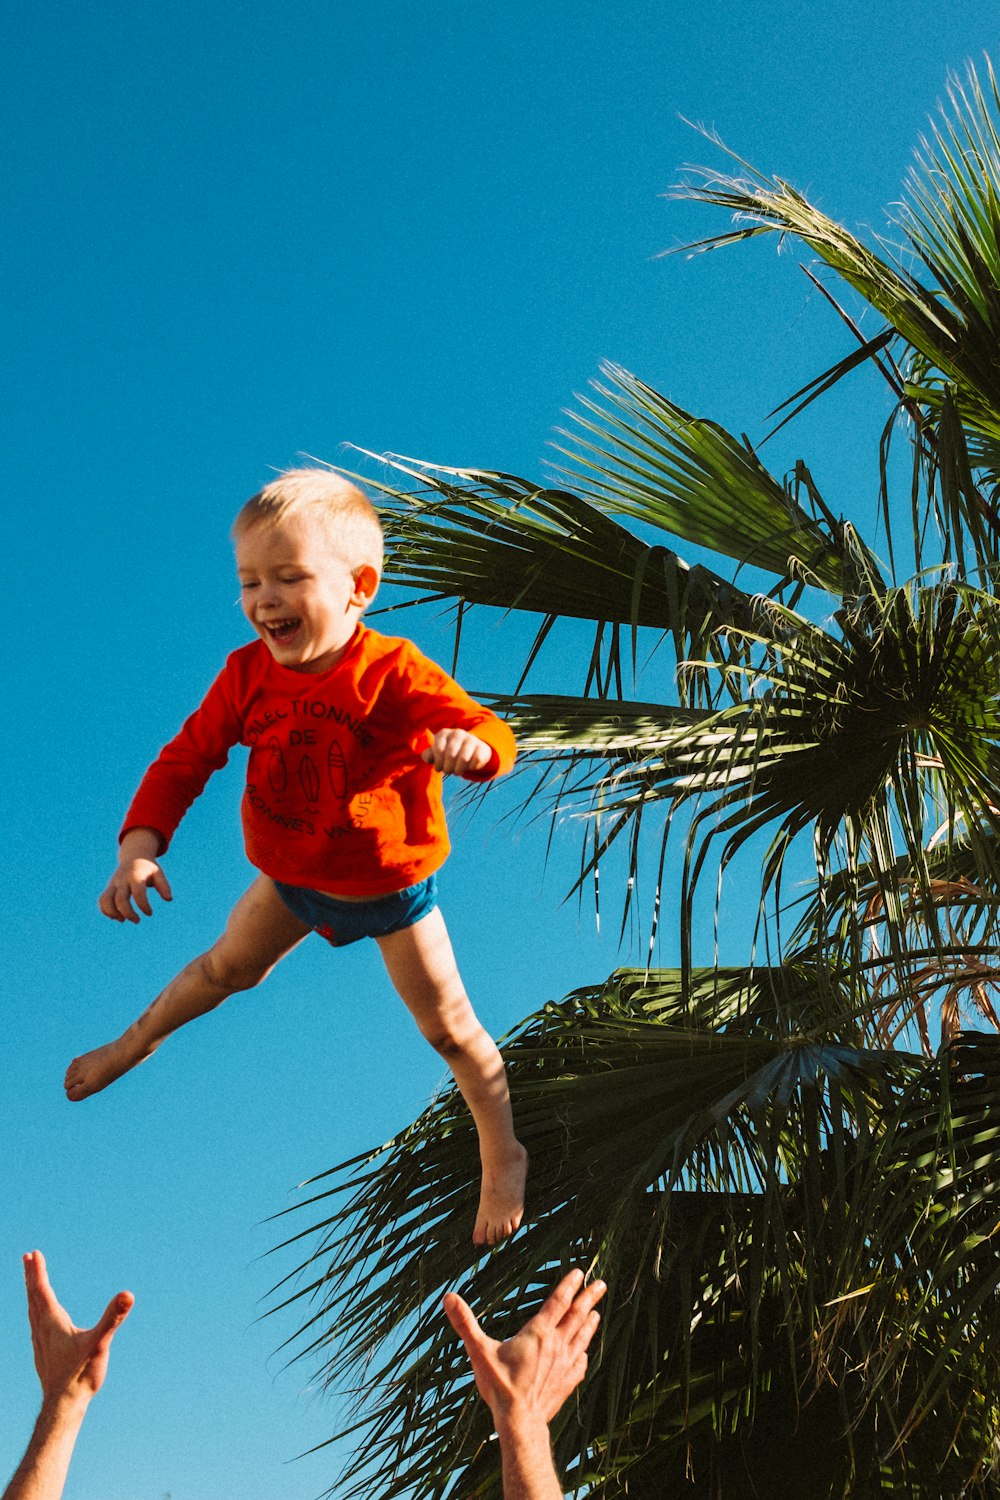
[433,702]
[71,1363]
[526,1379]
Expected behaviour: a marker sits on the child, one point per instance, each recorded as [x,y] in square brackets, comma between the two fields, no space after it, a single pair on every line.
[342,813]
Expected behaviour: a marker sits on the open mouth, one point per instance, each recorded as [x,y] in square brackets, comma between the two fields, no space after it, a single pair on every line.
[282,631]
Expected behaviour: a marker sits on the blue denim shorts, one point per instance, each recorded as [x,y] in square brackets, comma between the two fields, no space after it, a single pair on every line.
[343,922]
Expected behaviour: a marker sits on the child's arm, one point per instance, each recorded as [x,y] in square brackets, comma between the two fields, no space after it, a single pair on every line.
[167,790]
[138,869]
[467,739]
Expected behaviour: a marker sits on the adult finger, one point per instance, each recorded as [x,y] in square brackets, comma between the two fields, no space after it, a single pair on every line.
[30,1263]
[452,746]
[435,752]
[112,1318]
[463,1320]
[42,1285]
[584,1302]
[32,1285]
[480,756]
[581,1337]
[44,1308]
[465,757]
[559,1301]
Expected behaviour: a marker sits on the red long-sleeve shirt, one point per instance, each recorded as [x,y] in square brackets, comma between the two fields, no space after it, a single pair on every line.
[337,797]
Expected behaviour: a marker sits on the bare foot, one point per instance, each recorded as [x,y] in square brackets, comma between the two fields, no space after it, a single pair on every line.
[501,1199]
[93,1071]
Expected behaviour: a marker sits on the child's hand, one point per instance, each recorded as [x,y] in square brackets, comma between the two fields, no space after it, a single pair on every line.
[138,869]
[457,752]
[131,882]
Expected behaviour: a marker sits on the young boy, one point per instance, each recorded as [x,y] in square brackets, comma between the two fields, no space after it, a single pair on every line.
[349,732]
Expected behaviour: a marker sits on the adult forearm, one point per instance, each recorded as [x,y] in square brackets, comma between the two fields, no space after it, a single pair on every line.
[529,1471]
[42,1471]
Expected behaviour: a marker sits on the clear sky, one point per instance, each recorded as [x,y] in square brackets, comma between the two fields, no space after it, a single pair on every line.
[236,232]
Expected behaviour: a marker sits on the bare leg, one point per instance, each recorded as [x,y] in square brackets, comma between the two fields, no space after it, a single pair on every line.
[422,967]
[260,930]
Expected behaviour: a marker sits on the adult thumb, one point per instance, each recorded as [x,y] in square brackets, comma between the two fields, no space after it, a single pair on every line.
[462,1319]
[114,1314]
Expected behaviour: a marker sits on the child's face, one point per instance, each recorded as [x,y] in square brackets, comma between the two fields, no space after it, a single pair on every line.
[298,593]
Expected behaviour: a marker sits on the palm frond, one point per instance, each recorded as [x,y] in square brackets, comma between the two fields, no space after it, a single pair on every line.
[923,1246]
[493,539]
[637,454]
[951,216]
[705,1159]
[949,325]
[773,206]
[872,741]
[947,961]
[794,1206]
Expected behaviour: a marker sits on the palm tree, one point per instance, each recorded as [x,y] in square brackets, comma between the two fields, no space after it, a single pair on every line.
[787,1171]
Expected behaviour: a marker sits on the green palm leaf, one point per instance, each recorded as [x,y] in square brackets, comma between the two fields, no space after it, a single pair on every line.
[927,1233]
[677,1132]
[917,313]
[872,741]
[640,455]
[497,540]
[793,1206]
[945,956]
[949,326]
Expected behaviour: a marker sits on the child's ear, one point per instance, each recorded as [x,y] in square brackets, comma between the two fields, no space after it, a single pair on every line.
[365,585]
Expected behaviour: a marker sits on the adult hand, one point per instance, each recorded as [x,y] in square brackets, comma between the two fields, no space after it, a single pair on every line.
[529,1376]
[71,1362]
[457,752]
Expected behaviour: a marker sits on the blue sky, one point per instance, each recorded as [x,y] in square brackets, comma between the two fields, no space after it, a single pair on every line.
[240,232]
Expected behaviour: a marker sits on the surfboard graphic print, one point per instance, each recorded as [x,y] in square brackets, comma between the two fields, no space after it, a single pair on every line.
[277,771]
[336,770]
[309,778]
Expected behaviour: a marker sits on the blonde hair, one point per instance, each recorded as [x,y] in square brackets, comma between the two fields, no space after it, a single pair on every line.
[350,518]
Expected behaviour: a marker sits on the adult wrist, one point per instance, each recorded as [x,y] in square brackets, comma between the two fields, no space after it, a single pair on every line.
[521,1427]
[529,1470]
[65,1407]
